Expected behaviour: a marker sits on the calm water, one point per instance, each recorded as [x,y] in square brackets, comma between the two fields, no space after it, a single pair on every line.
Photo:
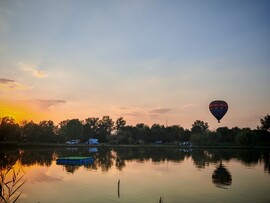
[146,175]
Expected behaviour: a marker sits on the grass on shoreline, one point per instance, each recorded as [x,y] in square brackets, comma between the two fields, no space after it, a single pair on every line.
[166,145]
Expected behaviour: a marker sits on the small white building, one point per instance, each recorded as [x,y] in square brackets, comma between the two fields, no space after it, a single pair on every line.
[72,142]
[93,141]
[93,149]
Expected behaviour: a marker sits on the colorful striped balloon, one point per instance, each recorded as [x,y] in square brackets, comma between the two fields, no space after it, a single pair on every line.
[218,108]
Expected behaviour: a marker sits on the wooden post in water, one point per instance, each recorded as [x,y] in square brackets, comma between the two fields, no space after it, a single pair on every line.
[118,188]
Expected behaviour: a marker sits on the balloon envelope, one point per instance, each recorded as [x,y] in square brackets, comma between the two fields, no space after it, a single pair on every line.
[218,108]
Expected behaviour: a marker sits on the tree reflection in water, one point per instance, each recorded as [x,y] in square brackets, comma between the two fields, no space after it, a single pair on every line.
[106,157]
[71,168]
[266,158]
[222,177]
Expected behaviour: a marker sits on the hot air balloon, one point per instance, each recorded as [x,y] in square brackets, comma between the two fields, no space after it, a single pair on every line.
[218,108]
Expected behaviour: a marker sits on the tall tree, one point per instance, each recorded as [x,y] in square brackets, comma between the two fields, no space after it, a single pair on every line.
[93,123]
[62,130]
[9,130]
[265,123]
[105,127]
[175,133]
[32,131]
[225,134]
[247,137]
[142,133]
[90,128]
[120,123]
[199,127]
[157,133]
[74,129]
[48,130]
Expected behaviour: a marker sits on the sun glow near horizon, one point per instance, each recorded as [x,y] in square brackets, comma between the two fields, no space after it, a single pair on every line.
[146,61]
[20,112]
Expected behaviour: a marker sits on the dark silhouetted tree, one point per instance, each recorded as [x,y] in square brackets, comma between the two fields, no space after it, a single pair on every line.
[32,132]
[105,127]
[142,132]
[157,133]
[48,130]
[90,128]
[71,129]
[247,137]
[199,127]
[120,123]
[74,129]
[225,134]
[174,133]
[9,130]
[265,123]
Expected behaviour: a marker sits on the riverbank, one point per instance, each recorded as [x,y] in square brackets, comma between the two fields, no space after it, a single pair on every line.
[62,145]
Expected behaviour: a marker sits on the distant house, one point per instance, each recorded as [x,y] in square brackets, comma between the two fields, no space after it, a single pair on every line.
[72,142]
[93,141]
[186,144]
[93,149]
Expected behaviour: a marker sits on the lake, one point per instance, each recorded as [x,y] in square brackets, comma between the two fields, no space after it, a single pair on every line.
[153,174]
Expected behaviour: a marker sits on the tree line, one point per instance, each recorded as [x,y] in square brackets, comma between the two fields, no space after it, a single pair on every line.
[118,132]
[107,157]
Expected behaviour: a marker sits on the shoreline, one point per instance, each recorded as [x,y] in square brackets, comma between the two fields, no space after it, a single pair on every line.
[62,145]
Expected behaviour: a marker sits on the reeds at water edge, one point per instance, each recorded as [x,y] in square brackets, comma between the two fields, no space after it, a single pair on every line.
[9,186]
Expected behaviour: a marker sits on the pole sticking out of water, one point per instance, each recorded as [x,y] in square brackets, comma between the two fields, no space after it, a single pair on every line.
[119,188]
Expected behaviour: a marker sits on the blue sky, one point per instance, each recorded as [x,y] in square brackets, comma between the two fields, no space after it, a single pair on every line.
[143,60]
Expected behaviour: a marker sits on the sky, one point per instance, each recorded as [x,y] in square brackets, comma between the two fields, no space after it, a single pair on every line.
[151,61]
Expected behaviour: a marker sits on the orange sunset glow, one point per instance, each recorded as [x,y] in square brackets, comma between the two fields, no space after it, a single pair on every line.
[135,101]
[161,65]
[19,112]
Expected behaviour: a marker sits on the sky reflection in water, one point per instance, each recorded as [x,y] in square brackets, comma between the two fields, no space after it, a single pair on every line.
[145,175]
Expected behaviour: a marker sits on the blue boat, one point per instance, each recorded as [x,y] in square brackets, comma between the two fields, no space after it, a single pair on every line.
[75,161]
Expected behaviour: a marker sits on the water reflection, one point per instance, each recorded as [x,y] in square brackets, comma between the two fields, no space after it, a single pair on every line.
[105,158]
[39,157]
[71,168]
[266,158]
[8,158]
[146,174]
[222,177]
